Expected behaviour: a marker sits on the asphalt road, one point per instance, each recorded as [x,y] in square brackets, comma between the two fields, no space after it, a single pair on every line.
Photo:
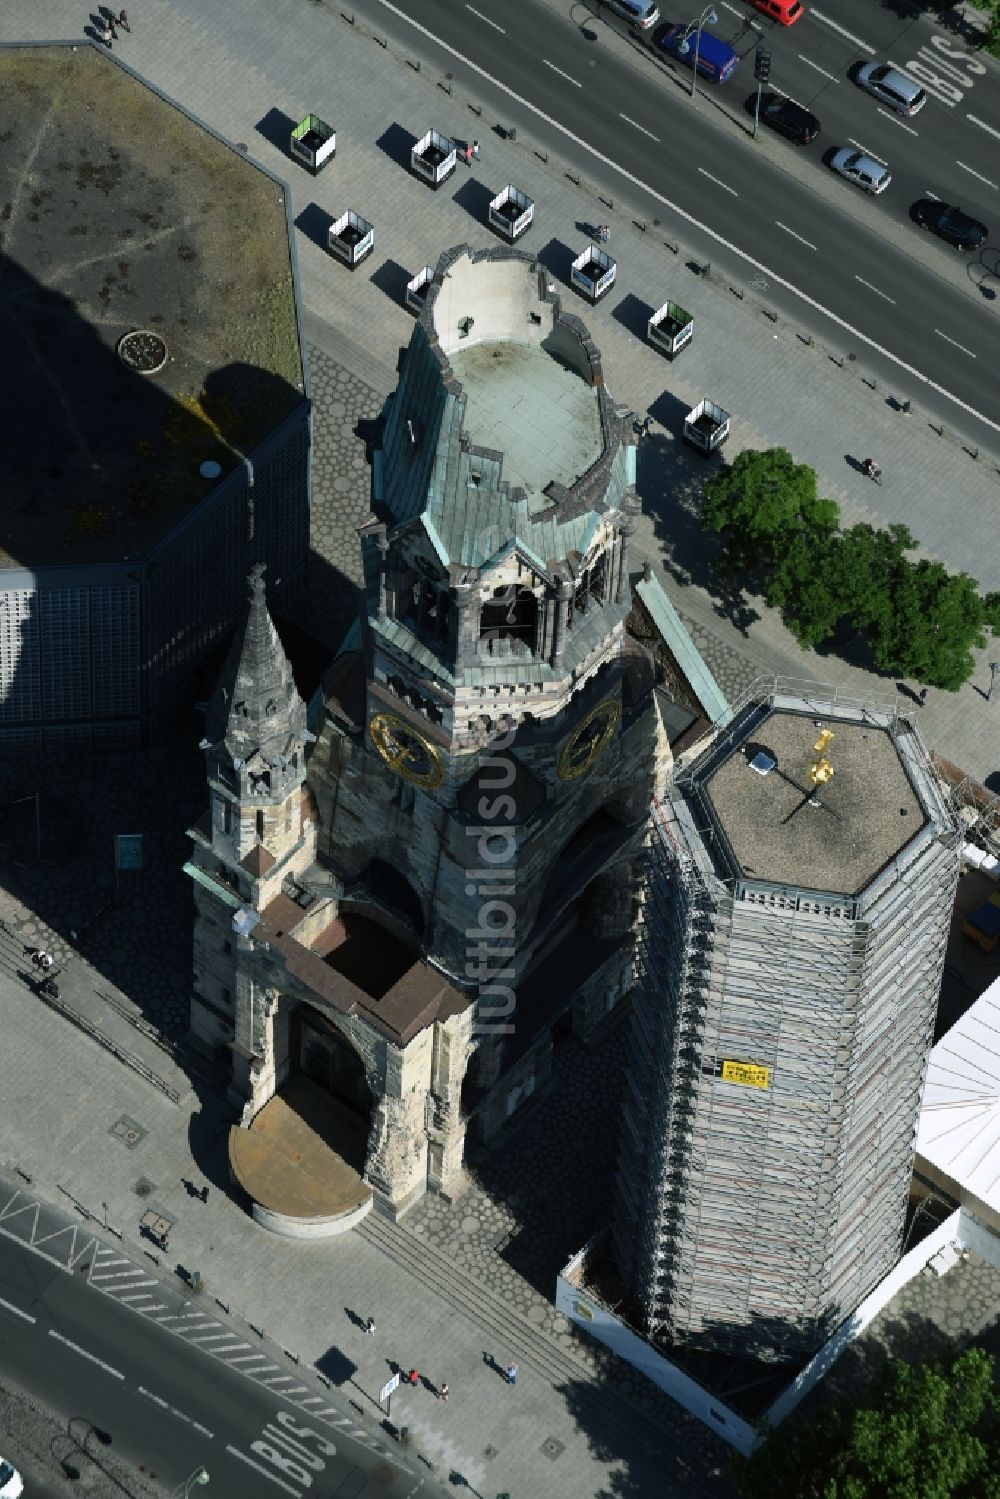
[126,1386]
[835,259]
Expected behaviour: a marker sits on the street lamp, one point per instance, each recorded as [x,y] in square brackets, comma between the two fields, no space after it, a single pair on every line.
[199,1476]
[994,668]
[707,17]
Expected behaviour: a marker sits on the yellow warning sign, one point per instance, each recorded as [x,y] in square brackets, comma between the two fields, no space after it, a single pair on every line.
[747,1074]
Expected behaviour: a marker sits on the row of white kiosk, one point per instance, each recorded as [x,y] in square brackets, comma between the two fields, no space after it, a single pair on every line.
[433,158]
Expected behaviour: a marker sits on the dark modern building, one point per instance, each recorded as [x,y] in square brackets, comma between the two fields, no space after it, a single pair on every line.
[156,423]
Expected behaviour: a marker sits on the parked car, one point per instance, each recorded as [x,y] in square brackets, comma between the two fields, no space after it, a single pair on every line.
[11,1483]
[958,228]
[785,12]
[789,119]
[892,87]
[864,171]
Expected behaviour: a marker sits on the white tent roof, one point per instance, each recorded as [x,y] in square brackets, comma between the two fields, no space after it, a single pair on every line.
[959,1129]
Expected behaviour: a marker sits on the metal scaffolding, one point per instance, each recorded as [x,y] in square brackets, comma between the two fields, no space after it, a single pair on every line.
[754,1217]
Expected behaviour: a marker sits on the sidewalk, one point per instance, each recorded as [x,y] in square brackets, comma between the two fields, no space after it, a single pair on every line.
[456,1286]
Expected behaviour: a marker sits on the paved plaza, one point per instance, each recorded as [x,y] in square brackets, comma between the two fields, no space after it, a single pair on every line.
[458,1289]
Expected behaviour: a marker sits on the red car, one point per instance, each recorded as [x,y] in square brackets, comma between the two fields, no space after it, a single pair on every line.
[785,12]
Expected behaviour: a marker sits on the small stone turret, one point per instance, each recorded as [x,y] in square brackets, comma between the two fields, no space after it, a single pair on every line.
[255,743]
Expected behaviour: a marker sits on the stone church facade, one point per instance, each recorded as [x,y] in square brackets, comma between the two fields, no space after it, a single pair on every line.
[411,905]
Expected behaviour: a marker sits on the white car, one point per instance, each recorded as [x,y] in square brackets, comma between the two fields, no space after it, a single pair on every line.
[864,171]
[11,1484]
[893,87]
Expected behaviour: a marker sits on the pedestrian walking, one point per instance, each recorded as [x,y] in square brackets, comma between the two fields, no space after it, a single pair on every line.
[370,1327]
[603,233]
[204,1194]
[413,1378]
[642,428]
[123,21]
[105,36]
[923,696]
[443,1393]
[511,1373]
[467,153]
[475,150]
[113,27]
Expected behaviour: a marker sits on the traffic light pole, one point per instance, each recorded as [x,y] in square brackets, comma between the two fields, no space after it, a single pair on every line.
[762,72]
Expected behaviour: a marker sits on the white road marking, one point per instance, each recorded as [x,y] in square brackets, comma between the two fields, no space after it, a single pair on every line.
[479,13]
[952,341]
[561,73]
[267,1472]
[172,1409]
[754,25]
[983,126]
[27,1317]
[128,1285]
[83,1352]
[929,194]
[138,1296]
[895,120]
[866,151]
[794,235]
[848,36]
[689,218]
[885,297]
[810,64]
[718,182]
[250,1358]
[977,175]
[636,126]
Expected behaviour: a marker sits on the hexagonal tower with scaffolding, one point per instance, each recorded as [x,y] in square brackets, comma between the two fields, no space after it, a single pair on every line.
[802,871]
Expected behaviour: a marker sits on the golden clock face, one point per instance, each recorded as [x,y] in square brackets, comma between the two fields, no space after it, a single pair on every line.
[406,751]
[589,740]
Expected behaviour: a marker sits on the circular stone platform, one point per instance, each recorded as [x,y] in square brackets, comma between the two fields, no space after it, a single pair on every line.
[289,1164]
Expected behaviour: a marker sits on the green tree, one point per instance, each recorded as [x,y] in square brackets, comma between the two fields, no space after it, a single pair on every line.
[928,1432]
[762,501]
[935,621]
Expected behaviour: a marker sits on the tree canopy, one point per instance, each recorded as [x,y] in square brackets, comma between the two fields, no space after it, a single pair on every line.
[919,619]
[925,1432]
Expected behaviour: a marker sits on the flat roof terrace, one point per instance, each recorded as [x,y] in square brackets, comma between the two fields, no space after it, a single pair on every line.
[537,411]
[868,811]
[120,213]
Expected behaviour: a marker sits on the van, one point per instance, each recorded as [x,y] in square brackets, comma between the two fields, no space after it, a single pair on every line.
[785,12]
[639,12]
[893,87]
[716,60]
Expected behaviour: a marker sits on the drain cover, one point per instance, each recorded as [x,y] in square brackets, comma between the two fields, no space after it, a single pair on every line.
[143,351]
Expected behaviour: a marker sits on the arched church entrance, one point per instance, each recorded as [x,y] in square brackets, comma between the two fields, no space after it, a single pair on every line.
[303,1157]
[323,1062]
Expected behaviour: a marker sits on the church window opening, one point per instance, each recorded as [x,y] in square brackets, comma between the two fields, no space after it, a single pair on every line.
[510,615]
[227,817]
[260,825]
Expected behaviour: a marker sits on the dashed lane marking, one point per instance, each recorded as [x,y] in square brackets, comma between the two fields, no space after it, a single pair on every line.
[85,1353]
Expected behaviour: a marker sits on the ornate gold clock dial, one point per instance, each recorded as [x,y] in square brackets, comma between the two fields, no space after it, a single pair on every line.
[406,751]
[589,740]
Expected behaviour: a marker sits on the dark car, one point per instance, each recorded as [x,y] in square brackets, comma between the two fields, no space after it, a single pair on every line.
[789,119]
[958,228]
